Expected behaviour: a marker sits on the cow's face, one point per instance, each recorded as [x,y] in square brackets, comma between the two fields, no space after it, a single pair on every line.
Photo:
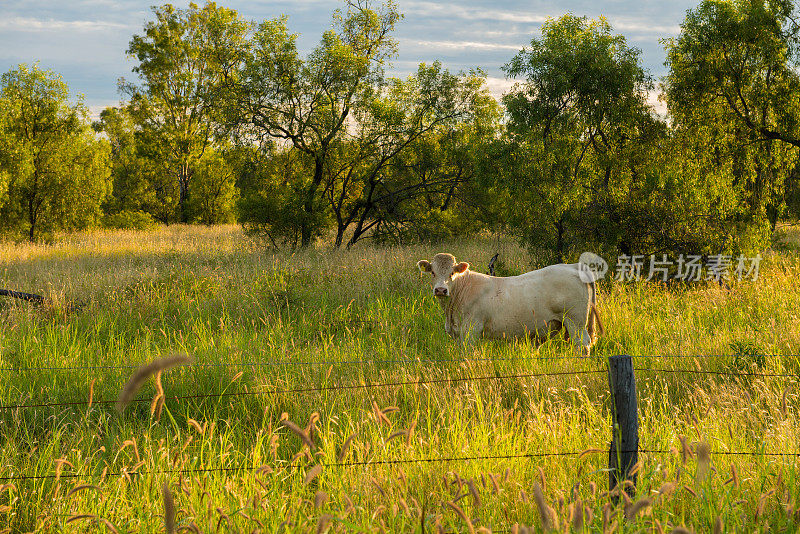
[444,270]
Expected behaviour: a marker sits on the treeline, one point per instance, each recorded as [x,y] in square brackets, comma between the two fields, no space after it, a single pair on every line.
[227,122]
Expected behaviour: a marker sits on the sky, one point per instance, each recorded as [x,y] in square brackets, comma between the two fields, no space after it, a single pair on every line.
[85,40]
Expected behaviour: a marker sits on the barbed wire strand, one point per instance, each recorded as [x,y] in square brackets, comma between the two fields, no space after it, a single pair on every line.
[370,463]
[396,384]
[310,389]
[719,373]
[287,363]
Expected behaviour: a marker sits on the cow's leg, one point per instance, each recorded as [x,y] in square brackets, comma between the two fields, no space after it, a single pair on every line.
[579,336]
[471,331]
[554,328]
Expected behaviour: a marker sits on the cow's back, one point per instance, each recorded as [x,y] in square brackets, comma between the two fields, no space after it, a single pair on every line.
[518,305]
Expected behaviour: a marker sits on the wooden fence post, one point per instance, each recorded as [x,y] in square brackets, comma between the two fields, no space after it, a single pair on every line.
[624,451]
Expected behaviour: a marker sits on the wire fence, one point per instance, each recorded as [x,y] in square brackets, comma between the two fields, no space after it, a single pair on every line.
[314,389]
[363,386]
[372,463]
[319,389]
[289,363]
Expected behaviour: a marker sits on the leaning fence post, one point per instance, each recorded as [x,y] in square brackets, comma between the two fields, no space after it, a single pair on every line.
[624,451]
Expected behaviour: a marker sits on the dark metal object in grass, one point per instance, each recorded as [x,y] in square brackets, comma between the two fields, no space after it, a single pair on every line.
[491,264]
[30,297]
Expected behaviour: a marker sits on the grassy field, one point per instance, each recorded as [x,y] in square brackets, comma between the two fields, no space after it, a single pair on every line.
[329,326]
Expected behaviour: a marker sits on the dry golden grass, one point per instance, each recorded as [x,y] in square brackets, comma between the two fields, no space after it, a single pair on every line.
[235,464]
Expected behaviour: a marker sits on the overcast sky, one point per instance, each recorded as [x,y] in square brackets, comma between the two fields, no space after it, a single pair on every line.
[85,40]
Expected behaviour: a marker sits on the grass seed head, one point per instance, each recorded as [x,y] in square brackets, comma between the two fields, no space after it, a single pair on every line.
[82,487]
[703,460]
[323,522]
[397,434]
[546,514]
[631,511]
[144,372]
[80,517]
[300,432]
[169,508]
[311,474]
[320,498]
[345,446]
[684,449]
[457,509]
[476,499]
[577,515]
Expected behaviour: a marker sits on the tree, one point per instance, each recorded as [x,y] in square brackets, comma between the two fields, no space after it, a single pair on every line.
[137,181]
[574,124]
[372,177]
[744,56]
[272,181]
[56,170]
[733,76]
[181,64]
[213,189]
[306,103]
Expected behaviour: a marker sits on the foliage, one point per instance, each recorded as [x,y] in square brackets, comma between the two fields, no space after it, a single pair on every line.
[307,102]
[271,204]
[734,83]
[176,108]
[55,171]
[130,220]
[586,164]
[139,181]
[213,191]
[741,56]
[408,153]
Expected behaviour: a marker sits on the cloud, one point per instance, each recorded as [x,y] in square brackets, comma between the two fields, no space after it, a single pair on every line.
[469,13]
[659,106]
[643,26]
[462,45]
[499,86]
[30,24]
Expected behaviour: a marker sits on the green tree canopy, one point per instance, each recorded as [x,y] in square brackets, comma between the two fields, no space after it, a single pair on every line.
[181,60]
[306,103]
[55,170]
[734,81]
[742,55]
[576,124]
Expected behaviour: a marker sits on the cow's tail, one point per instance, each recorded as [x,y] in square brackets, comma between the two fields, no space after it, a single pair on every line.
[594,315]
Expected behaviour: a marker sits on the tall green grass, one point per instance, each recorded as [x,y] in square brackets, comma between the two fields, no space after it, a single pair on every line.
[323,318]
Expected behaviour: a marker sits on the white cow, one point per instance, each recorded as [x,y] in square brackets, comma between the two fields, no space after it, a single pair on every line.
[538,303]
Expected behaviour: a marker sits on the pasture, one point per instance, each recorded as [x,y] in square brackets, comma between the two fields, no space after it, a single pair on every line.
[410,432]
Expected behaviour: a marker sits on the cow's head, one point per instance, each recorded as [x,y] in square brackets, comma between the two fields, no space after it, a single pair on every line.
[444,270]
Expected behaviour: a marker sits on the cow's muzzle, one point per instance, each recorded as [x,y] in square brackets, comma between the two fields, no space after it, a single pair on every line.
[440,292]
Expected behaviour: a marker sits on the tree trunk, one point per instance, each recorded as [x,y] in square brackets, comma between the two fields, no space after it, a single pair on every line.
[31,219]
[308,203]
[33,208]
[560,239]
[366,210]
[339,235]
[183,186]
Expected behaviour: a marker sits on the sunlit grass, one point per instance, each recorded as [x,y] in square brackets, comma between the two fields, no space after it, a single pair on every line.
[323,318]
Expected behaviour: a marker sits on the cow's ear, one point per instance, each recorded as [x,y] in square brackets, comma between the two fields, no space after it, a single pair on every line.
[460,267]
[424,266]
